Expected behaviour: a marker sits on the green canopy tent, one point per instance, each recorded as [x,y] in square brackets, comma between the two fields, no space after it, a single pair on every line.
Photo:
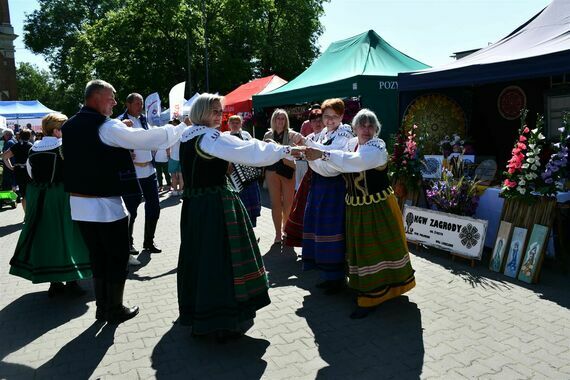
[362,66]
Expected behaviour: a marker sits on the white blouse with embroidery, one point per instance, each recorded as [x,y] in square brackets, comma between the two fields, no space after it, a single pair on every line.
[251,152]
[356,159]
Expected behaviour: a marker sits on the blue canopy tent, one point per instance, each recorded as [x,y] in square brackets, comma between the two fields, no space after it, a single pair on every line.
[23,109]
[538,48]
[24,112]
[529,68]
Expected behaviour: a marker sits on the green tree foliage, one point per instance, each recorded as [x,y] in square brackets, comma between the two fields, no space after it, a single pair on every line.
[145,45]
[34,84]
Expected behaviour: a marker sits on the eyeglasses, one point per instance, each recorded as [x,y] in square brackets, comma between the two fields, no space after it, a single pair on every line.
[217,112]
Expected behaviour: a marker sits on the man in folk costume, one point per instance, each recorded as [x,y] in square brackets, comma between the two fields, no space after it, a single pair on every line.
[99,171]
[146,174]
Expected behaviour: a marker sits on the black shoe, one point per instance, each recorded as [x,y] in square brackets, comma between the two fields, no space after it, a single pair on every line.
[73,288]
[149,230]
[116,311]
[133,250]
[361,312]
[55,288]
[121,314]
[151,248]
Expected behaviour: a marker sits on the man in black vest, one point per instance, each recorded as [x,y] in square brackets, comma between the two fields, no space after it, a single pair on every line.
[98,172]
[146,174]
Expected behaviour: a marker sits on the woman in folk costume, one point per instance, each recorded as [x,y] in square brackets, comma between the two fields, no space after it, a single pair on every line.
[221,278]
[379,265]
[50,247]
[250,195]
[294,227]
[280,176]
[323,224]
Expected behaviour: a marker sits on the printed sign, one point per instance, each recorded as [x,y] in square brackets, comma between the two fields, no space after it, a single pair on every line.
[460,235]
[152,107]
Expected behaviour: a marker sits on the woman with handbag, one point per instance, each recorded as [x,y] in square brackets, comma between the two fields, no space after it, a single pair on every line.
[280,176]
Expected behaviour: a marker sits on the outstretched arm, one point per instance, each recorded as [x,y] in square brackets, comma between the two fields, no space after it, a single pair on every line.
[252,152]
[368,156]
[114,133]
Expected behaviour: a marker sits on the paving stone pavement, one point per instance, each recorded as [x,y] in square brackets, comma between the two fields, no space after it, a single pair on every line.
[458,323]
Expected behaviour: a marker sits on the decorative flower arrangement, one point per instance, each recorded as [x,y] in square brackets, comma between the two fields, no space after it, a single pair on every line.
[556,170]
[454,195]
[451,145]
[523,169]
[405,162]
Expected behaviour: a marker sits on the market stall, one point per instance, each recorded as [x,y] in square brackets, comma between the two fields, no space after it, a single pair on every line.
[480,96]
[364,67]
[23,112]
[239,101]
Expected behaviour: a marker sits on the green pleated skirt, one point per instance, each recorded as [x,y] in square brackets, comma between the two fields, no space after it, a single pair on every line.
[221,277]
[50,247]
[379,266]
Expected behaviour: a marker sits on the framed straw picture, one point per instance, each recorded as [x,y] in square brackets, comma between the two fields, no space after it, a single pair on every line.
[432,166]
[516,250]
[498,256]
[533,254]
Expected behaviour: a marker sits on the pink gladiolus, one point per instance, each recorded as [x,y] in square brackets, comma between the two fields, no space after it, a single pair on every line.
[526,130]
[510,183]
[522,138]
[511,170]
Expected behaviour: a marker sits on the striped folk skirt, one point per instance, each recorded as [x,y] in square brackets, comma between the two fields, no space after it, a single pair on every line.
[221,277]
[294,226]
[379,265]
[323,227]
[251,199]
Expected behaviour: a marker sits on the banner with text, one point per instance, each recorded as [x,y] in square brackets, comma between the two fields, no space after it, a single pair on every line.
[459,235]
[176,101]
[152,107]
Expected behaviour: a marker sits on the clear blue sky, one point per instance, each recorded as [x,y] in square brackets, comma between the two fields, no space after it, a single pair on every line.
[428,30]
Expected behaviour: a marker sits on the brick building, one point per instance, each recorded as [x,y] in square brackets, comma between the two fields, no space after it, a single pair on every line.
[8,87]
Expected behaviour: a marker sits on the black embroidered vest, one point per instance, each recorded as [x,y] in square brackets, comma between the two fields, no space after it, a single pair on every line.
[92,167]
[47,166]
[199,169]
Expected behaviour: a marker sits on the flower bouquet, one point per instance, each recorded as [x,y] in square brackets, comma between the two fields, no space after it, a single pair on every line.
[556,172]
[454,195]
[522,178]
[524,188]
[405,163]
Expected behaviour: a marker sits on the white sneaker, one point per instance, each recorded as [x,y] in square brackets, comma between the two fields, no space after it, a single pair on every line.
[133,260]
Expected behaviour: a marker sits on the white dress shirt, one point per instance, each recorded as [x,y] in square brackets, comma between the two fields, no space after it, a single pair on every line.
[114,133]
[142,156]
